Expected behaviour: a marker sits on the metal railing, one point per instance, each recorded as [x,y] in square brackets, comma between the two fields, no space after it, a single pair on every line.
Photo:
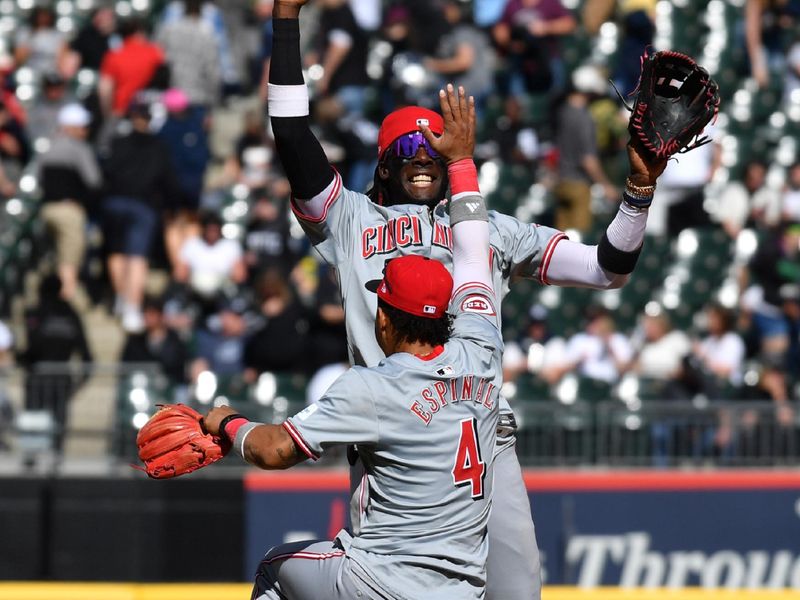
[59,414]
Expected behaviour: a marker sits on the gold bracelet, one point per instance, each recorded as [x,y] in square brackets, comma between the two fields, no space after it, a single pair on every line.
[638,190]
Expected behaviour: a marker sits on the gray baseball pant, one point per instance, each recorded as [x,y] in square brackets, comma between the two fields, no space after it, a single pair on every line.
[309,570]
[513,571]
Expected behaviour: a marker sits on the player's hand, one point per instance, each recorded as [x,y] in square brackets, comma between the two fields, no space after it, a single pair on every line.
[644,169]
[458,140]
[287,9]
[214,417]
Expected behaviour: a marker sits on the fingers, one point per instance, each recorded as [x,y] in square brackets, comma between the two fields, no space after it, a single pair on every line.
[444,104]
[433,140]
[462,103]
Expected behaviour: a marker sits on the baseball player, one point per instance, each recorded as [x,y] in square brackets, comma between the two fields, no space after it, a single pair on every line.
[424,420]
[403,214]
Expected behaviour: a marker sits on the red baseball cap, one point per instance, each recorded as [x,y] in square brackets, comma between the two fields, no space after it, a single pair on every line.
[406,120]
[415,284]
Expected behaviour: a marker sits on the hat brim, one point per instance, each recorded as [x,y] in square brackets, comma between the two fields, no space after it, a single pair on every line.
[373,284]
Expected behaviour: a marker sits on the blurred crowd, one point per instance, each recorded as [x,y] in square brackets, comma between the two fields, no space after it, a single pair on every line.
[108,113]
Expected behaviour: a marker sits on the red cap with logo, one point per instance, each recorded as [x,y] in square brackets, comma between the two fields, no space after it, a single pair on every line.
[406,120]
[416,285]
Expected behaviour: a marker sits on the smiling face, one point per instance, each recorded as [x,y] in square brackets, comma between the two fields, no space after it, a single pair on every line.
[417,180]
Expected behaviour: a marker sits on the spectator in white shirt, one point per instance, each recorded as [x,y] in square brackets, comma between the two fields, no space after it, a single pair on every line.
[209,262]
[662,351]
[748,200]
[680,194]
[722,351]
[599,353]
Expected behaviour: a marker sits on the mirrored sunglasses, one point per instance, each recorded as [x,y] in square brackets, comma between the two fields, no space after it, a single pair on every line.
[406,146]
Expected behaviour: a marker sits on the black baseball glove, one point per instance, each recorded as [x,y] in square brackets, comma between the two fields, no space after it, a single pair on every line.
[675,99]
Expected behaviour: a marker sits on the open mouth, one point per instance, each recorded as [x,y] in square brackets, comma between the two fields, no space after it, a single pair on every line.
[421,180]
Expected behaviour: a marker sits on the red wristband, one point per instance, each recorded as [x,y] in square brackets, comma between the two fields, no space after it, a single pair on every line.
[232,426]
[463,177]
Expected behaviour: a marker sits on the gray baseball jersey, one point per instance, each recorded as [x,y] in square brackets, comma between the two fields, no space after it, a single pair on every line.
[425,428]
[357,237]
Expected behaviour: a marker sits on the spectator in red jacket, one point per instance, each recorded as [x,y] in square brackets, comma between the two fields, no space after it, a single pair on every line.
[128,69]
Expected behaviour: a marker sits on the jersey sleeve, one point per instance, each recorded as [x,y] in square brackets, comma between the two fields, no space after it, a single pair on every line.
[331,220]
[346,414]
[527,248]
[475,316]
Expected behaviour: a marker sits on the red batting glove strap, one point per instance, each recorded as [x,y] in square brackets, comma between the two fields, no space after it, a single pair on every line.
[232,426]
[463,177]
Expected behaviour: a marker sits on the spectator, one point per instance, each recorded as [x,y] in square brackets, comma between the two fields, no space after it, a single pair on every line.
[464,56]
[718,357]
[638,30]
[249,164]
[158,343]
[15,151]
[139,175]
[343,54]
[55,334]
[746,201]
[528,33]
[764,24]
[184,134]
[792,78]
[328,337]
[680,195]
[268,241]
[219,342]
[757,437]
[43,121]
[260,66]
[284,319]
[193,57]
[790,206]
[214,22]
[775,265]
[70,179]
[579,163]
[210,262]
[660,357]
[127,69]
[93,40]
[536,350]
[599,352]
[510,138]
[40,45]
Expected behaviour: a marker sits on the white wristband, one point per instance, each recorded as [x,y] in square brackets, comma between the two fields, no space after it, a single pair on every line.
[241,436]
[287,100]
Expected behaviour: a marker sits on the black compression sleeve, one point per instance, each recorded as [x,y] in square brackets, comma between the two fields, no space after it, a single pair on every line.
[284,66]
[301,154]
[614,260]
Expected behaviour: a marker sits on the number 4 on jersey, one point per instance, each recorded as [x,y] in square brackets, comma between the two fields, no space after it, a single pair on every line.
[469,468]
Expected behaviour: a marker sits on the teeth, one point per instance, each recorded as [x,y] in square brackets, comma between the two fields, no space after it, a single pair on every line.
[420,179]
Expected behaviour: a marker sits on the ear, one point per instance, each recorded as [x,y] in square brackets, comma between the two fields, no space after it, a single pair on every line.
[383,170]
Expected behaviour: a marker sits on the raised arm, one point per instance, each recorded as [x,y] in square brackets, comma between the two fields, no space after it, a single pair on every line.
[608,264]
[303,159]
[468,217]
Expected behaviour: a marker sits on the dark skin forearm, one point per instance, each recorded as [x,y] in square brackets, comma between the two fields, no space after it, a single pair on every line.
[266,447]
[287,9]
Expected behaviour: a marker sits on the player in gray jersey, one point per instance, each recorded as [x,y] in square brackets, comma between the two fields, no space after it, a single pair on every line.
[404,214]
[424,419]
